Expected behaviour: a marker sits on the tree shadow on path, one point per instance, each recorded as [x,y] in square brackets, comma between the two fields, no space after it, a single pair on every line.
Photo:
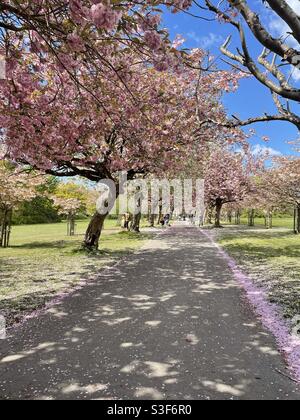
[169,323]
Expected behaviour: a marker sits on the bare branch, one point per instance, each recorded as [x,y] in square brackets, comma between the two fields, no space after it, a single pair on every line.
[237,122]
[273,69]
[287,53]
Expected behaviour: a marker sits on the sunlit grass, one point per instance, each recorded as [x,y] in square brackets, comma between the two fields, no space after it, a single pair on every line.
[278,222]
[283,222]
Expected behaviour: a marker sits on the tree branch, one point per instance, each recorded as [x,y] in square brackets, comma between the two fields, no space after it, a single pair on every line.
[285,11]
[237,122]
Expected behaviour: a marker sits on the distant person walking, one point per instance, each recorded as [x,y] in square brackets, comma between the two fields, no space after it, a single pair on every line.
[167,220]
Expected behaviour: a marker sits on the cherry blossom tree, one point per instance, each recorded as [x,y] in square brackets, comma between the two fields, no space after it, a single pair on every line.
[149,126]
[234,212]
[227,180]
[16,187]
[71,199]
[261,200]
[283,183]
[86,35]
[69,207]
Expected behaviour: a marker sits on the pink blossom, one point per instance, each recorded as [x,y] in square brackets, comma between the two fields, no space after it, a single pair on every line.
[153,40]
[75,42]
[104,16]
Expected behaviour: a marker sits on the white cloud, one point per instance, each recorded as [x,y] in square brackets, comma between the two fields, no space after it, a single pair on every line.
[258,149]
[296,75]
[207,41]
[279,28]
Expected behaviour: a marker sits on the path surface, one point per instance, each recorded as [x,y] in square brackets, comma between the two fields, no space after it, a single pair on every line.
[169,324]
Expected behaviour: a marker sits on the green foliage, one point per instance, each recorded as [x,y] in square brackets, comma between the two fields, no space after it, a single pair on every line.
[72,190]
[49,186]
[39,210]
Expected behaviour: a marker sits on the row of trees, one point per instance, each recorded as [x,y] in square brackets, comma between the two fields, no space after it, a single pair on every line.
[94,88]
[235,182]
[124,108]
[269,190]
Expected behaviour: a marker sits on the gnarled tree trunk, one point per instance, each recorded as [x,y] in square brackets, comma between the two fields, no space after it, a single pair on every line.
[94,230]
[104,206]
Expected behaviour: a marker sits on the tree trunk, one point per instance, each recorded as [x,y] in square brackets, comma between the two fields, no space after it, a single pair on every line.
[219,206]
[152,220]
[5,228]
[237,217]
[229,217]
[9,221]
[209,213]
[251,218]
[297,219]
[268,220]
[71,226]
[94,230]
[160,215]
[2,228]
[135,225]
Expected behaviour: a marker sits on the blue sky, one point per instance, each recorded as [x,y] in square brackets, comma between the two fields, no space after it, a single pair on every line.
[252,99]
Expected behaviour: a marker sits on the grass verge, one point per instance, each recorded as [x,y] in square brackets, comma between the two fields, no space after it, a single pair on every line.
[271,257]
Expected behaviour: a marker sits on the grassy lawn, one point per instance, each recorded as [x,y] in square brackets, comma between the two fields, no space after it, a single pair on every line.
[42,261]
[271,257]
[283,222]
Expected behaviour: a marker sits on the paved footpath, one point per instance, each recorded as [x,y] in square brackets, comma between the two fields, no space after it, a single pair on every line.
[170,323]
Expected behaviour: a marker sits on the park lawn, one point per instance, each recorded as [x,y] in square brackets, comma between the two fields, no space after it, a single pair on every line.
[283,222]
[272,258]
[42,262]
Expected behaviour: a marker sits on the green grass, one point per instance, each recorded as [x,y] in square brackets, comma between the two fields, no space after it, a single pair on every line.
[278,222]
[281,222]
[35,233]
[42,261]
[272,258]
